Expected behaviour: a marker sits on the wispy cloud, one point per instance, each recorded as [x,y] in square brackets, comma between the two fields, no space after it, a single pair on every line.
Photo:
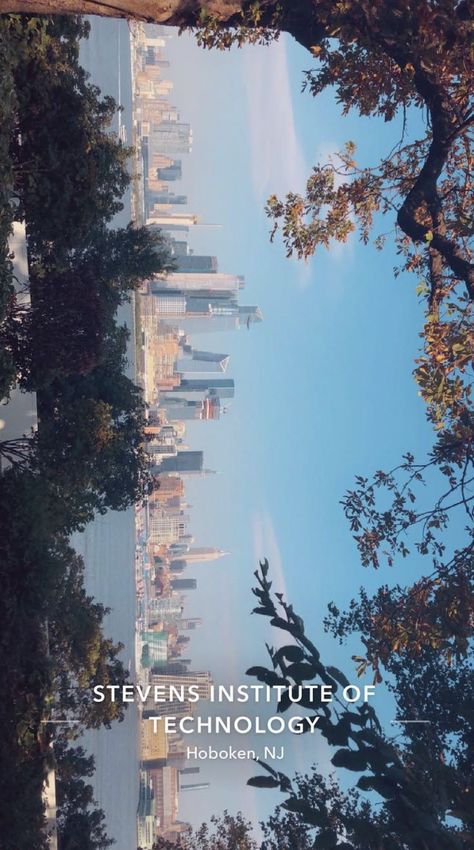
[266,546]
[278,164]
[277,160]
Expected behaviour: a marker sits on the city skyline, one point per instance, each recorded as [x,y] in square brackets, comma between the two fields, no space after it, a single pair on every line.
[316,336]
[183,383]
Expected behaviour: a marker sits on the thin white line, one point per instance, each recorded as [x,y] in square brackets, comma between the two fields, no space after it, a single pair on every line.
[428,722]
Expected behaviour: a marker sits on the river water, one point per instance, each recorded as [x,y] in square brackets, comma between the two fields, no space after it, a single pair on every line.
[107,545]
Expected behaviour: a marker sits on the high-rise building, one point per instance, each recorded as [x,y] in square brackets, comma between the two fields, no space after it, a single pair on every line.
[180,665]
[154,42]
[185,461]
[165,219]
[169,486]
[196,263]
[154,197]
[155,648]
[167,609]
[164,526]
[171,172]
[220,318]
[201,361]
[161,448]
[178,247]
[165,790]
[146,815]
[198,389]
[200,306]
[188,623]
[183,583]
[168,708]
[211,409]
[207,283]
[172,137]
[201,680]
[152,58]
[198,554]
[182,409]
[153,740]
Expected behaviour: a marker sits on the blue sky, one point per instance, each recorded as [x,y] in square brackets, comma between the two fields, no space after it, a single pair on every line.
[323,387]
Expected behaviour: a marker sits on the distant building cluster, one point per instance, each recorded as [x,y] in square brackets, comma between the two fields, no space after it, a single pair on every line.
[182,381]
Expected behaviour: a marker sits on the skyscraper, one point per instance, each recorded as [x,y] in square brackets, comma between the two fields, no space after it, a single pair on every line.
[182,409]
[201,553]
[203,311]
[202,361]
[170,172]
[183,583]
[202,681]
[155,648]
[166,219]
[172,137]
[196,263]
[201,284]
[184,461]
[199,389]
[168,609]
[166,198]
[166,527]
[188,623]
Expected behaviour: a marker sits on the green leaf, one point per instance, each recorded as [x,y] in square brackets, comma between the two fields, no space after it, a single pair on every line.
[310,815]
[263,782]
[325,840]
[301,671]
[350,759]
[338,676]
[269,677]
[284,702]
[266,767]
[289,653]
[375,783]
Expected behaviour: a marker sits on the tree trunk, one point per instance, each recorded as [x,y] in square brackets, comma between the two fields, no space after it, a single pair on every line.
[171,12]
[296,17]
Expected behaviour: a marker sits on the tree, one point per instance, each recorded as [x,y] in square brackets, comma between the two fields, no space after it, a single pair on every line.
[71,762]
[228,832]
[80,821]
[7,211]
[65,158]
[93,454]
[82,656]
[423,781]
[121,260]
[71,322]
[63,330]
[81,824]
[393,516]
